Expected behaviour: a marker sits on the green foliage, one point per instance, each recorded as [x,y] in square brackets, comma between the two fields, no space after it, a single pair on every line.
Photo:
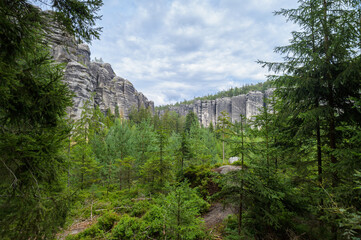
[140,115]
[230,229]
[203,178]
[191,121]
[128,228]
[33,131]
[85,168]
[155,221]
[99,230]
[78,17]
[145,144]
[183,207]
[140,208]
[92,232]
[107,221]
[120,148]
[300,157]
[33,100]
[156,172]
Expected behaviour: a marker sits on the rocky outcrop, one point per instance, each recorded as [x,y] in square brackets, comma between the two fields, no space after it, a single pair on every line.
[92,81]
[226,169]
[208,111]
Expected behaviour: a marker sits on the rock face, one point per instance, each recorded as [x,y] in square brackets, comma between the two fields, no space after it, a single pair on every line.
[92,81]
[208,111]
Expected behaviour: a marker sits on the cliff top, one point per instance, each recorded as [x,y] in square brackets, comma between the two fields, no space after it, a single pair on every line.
[262,87]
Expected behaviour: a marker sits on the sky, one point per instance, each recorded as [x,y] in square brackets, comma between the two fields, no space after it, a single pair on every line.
[175,50]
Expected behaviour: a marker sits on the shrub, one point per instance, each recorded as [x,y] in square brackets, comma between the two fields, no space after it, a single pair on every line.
[140,208]
[107,221]
[128,228]
[155,221]
[202,177]
[92,232]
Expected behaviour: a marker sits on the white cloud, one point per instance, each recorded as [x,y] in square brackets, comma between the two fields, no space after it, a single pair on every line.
[173,50]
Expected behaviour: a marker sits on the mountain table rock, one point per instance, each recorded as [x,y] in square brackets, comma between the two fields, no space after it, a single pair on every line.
[208,111]
[92,81]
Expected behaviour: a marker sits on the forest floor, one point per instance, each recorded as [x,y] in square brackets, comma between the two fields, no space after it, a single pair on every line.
[213,221]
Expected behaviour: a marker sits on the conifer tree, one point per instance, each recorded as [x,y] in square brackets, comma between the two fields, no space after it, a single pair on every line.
[120,145]
[33,100]
[321,75]
[85,165]
[191,119]
[145,142]
[183,207]
[223,124]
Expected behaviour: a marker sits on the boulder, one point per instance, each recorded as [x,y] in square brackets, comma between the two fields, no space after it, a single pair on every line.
[227,168]
[233,159]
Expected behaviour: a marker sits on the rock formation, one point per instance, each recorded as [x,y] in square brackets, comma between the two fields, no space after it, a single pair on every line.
[226,169]
[208,111]
[92,81]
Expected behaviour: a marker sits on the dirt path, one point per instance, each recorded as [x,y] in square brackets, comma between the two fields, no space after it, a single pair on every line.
[214,218]
[77,227]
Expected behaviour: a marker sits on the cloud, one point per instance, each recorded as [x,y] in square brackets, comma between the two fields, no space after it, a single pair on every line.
[173,50]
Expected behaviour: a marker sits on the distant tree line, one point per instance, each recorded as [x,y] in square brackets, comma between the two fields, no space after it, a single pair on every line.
[233,91]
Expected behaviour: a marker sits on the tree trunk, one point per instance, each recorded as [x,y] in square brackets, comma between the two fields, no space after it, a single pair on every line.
[68,182]
[120,171]
[178,216]
[223,147]
[82,172]
[331,118]
[240,210]
[319,152]
[242,184]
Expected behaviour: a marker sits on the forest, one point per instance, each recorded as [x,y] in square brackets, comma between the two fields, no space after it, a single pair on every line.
[298,173]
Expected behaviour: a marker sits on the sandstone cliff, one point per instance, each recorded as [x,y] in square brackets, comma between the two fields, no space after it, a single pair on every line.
[92,81]
[208,111]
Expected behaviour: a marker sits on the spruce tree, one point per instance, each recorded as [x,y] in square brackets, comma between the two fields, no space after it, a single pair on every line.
[33,100]
[120,145]
[320,77]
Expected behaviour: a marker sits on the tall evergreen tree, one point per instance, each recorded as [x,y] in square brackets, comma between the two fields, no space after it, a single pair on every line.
[191,119]
[85,165]
[120,145]
[33,100]
[320,78]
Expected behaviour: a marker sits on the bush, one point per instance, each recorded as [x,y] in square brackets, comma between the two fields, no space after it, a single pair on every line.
[202,177]
[155,221]
[106,222]
[97,231]
[128,228]
[90,233]
[139,208]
